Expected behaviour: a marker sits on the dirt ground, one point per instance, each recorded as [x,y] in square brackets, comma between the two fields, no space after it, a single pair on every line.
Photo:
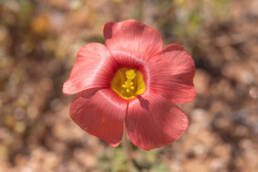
[39,40]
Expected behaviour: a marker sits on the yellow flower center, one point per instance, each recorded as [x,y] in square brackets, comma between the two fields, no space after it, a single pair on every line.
[128,83]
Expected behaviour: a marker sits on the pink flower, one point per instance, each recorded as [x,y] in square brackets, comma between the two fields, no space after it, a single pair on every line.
[131,83]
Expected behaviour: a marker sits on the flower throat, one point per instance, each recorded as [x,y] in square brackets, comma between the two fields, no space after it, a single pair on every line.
[128,83]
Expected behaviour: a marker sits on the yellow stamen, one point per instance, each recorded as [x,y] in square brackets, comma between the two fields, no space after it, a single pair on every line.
[128,83]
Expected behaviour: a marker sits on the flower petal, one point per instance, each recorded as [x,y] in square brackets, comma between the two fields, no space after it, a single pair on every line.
[153,121]
[132,38]
[100,113]
[171,73]
[93,68]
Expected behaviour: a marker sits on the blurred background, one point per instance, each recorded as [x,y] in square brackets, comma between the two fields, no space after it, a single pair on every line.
[39,40]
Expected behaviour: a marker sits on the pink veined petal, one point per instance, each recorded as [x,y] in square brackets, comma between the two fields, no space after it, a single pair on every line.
[153,121]
[132,38]
[94,67]
[171,73]
[100,113]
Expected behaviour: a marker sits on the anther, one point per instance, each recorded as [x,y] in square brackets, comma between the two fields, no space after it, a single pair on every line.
[128,85]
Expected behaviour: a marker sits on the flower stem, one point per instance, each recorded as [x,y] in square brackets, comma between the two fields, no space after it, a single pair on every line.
[127,150]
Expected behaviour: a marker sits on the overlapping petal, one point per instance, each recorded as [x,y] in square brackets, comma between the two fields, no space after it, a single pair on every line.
[94,68]
[171,72]
[132,38]
[100,113]
[153,121]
